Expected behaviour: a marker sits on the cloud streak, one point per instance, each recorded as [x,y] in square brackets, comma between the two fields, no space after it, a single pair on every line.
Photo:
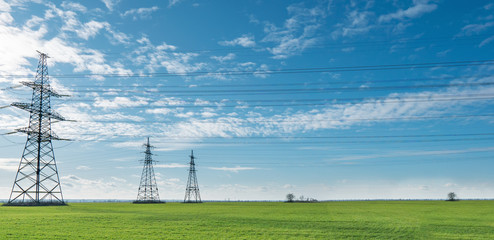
[419,8]
[232,169]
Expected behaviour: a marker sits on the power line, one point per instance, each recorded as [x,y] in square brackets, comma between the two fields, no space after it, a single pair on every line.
[292,104]
[288,90]
[296,137]
[306,142]
[284,71]
[219,121]
[282,84]
[403,40]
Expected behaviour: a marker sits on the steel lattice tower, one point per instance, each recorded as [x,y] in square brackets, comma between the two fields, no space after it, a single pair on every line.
[148,189]
[37,181]
[192,191]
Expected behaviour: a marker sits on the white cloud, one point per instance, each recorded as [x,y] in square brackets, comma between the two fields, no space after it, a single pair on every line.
[394,106]
[118,102]
[90,29]
[200,102]
[171,165]
[297,33]
[472,29]
[169,101]
[172,3]
[419,8]
[110,3]
[232,169]
[4,6]
[164,56]
[244,41]
[9,164]
[118,179]
[161,111]
[486,41]
[409,153]
[208,114]
[77,187]
[82,167]
[5,18]
[71,23]
[140,12]
[74,6]
[356,22]
[221,59]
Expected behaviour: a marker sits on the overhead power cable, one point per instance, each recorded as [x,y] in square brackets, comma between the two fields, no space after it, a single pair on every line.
[304,84]
[402,40]
[288,90]
[219,121]
[295,100]
[282,71]
[297,103]
[301,142]
[290,137]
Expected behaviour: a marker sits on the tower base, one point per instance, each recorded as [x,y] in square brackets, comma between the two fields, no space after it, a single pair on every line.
[35,204]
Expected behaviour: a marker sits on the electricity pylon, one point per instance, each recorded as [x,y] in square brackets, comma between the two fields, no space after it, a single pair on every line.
[148,189]
[37,181]
[192,190]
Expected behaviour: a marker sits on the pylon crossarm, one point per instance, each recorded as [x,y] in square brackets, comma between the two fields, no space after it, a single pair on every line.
[46,89]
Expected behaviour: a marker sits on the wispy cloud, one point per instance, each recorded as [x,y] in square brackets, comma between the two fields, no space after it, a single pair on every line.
[119,102]
[419,8]
[172,3]
[356,22]
[165,56]
[473,29]
[232,169]
[73,6]
[90,29]
[140,12]
[171,165]
[9,164]
[297,33]
[82,167]
[222,59]
[411,153]
[110,3]
[86,188]
[486,41]
[244,41]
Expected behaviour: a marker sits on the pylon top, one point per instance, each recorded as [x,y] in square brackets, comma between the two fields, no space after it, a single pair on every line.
[43,54]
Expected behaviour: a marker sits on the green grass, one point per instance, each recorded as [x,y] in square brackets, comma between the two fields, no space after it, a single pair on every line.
[260,220]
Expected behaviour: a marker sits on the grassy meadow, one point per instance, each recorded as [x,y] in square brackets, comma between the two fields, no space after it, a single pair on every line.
[253,220]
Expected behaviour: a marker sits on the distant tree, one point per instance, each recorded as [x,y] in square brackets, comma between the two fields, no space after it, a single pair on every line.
[301,198]
[452,196]
[290,197]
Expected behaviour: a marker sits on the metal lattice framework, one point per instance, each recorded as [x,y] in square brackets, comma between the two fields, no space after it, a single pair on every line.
[192,194]
[37,181]
[148,189]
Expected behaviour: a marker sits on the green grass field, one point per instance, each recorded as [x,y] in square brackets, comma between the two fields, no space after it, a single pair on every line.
[260,220]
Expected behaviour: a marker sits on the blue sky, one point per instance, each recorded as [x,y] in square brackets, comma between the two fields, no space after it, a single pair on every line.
[326,99]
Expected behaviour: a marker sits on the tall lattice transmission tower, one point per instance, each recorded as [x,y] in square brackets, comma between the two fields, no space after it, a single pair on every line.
[192,190]
[37,181]
[148,189]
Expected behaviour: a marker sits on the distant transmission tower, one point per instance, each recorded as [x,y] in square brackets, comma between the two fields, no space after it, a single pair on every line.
[37,181]
[192,191]
[148,190]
